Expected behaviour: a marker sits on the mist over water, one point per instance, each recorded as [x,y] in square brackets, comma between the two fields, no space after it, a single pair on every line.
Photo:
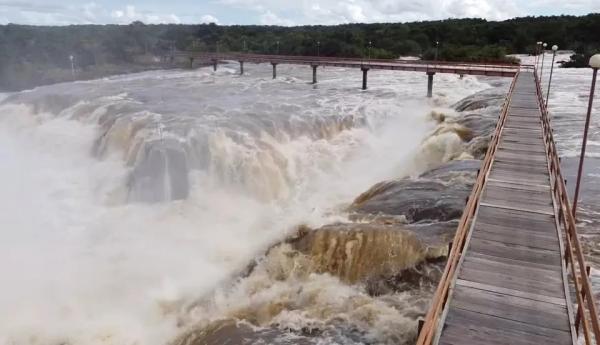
[129,198]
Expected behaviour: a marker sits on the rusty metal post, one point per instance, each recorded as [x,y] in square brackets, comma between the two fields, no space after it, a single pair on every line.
[314,67]
[364,80]
[583,144]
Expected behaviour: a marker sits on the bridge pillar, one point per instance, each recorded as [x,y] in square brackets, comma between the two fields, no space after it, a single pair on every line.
[314,67]
[191,62]
[241,67]
[274,70]
[430,84]
[214,65]
[364,84]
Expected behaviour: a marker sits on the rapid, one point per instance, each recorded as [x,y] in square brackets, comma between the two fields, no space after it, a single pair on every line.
[192,207]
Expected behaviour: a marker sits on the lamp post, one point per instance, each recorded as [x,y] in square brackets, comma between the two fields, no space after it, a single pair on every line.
[245,47]
[554,49]
[538,45]
[277,47]
[370,43]
[595,64]
[437,44]
[72,58]
[544,45]
[318,48]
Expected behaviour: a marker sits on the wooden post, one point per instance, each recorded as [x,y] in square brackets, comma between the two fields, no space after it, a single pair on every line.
[314,67]
[364,80]
[241,67]
[274,70]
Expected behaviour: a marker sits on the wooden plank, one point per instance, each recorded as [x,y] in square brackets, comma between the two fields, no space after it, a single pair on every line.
[516,236]
[541,276]
[513,261]
[522,253]
[509,229]
[529,208]
[513,185]
[520,219]
[549,288]
[534,296]
[543,334]
[514,308]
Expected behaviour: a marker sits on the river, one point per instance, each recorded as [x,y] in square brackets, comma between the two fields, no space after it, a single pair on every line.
[139,208]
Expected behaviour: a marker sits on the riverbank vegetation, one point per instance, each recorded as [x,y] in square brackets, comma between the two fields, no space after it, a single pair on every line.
[34,55]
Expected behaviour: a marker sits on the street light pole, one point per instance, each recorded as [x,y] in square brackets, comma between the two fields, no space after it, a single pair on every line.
[595,64]
[437,43]
[318,48]
[544,45]
[554,49]
[370,50]
[277,47]
[537,53]
[72,58]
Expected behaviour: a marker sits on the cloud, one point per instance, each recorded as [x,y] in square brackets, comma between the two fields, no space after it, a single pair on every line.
[270,18]
[129,14]
[353,11]
[207,18]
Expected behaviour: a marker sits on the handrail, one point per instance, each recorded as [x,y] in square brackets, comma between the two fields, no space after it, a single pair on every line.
[440,298]
[587,310]
[237,55]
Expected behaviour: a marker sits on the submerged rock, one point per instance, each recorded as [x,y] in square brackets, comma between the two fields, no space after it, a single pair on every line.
[437,195]
[357,251]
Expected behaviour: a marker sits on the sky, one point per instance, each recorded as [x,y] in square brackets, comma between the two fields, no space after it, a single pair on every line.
[276,12]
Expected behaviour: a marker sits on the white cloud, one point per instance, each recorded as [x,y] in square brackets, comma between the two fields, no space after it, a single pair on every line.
[129,14]
[207,18]
[352,11]
[270,18]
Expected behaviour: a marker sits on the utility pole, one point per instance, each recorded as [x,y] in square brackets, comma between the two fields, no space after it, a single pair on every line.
[72,58]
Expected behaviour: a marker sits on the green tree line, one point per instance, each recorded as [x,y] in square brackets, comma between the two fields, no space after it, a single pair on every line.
[40,54]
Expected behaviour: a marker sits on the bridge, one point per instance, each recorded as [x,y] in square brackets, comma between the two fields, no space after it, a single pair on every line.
[428,67]
[516,273]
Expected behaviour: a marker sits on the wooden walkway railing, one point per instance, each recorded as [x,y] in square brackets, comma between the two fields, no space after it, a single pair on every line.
[466,68]
[505,281]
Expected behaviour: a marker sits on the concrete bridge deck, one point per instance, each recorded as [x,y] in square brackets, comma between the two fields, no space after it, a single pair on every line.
[507,279]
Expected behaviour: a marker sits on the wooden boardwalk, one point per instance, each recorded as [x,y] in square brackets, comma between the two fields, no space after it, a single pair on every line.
[511,283]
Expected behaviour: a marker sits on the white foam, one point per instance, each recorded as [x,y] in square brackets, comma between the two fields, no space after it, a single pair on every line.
[80,267]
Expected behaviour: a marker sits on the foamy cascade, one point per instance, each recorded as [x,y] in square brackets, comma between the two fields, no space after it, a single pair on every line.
[86,266]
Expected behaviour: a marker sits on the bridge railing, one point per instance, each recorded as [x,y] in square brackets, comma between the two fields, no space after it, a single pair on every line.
[587,308]
[438,303]
[271,57]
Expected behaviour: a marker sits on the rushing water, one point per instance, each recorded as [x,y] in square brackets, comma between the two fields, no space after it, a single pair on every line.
[131,203]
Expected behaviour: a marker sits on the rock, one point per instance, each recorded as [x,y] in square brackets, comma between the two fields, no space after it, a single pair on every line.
[357,251]
[437,195]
